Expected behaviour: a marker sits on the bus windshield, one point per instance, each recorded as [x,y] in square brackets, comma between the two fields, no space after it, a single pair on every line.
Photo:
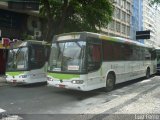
[67,57]
[18,59]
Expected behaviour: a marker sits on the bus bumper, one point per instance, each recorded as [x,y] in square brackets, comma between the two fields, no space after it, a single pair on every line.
[66,85]
[15,81]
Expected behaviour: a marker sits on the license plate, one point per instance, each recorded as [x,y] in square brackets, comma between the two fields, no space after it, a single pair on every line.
[14,81]
[62,86]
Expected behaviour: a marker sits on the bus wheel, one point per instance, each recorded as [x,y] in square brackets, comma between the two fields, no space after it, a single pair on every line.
[148,73]
[110,82]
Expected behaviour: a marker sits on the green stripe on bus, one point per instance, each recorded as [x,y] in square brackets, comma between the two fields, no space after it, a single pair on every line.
[63,76]
[107,38]
[14,73]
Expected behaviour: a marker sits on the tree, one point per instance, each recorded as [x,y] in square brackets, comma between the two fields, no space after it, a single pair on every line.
[155,1]
[75,15]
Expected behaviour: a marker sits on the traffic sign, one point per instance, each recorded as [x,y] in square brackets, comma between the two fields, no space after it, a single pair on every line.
[143,34]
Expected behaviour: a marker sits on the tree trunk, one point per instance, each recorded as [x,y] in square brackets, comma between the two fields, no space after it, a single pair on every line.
[49,33]
[63,17]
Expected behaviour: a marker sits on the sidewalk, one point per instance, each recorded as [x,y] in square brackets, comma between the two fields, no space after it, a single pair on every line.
[2,81]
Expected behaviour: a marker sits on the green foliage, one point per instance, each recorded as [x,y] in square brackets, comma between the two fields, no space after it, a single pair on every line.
[77,15]
[25,36]
[155,1]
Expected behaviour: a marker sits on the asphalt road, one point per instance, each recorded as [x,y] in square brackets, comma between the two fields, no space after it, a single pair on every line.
[39,99]
[46,103]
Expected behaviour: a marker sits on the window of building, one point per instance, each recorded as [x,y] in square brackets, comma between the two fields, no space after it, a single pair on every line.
[114,13]
[117,27]
[128,31]
[119,2]
[123,16]
[118,14]
[128,6]
[128,18]
[124,4]
[112,25]
[123,29]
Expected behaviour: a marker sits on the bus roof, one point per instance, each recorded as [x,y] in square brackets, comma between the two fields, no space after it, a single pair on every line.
[36,41]
[104,37]
[27,42]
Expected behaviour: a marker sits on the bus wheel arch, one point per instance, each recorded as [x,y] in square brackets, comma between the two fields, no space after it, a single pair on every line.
[110,81]
[148,74]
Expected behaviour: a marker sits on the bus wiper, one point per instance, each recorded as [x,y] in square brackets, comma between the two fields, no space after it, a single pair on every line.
[18,51]
[78,44]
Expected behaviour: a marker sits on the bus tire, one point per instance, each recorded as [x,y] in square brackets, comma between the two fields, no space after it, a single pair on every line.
[110,82]
[148,73]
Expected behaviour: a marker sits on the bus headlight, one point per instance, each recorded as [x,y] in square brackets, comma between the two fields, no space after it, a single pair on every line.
[23,76]
[49,79]
[77,81]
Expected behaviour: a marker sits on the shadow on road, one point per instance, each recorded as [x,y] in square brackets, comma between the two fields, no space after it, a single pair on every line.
[81,95]
[32,85]
[124,84]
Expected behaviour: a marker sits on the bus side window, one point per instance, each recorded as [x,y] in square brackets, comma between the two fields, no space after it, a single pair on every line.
[128,52]
[153,54]
[108,52]
[94,57]
[147,54]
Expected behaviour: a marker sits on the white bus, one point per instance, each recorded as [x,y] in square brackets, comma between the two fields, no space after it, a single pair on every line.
[85,61]
[27,63]
[158,59]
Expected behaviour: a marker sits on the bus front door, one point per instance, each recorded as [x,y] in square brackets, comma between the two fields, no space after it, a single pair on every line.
[94,61]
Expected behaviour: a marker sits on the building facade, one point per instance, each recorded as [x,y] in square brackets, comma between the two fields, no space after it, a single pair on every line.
[120,26]
[157,27]
[129,16]
[18,20]
[137,18]
[149,22]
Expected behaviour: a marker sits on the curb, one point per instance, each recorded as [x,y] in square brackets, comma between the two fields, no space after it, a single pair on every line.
[2,79]
[3,82]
